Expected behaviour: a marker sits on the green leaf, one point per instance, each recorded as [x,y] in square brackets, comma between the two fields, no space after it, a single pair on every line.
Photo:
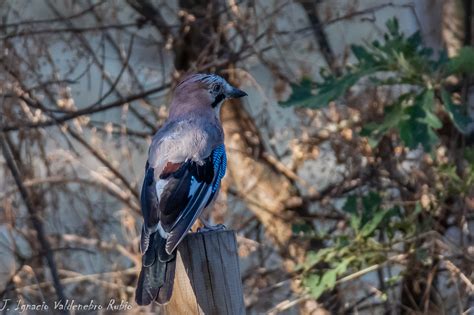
[374,141]
[413,133]
[393,115]
[426,99]
[427,103]
[300,93]
[418,128]
[343,265]
[405,65]
[328,280]
[371,204]
[415,41]
[373,223]
[331,90]
[462,63]
[351,207]
[392,26]
[312,282]
[328,90]
[362,54]
[460,120]
[372,201]
[432,120]
[313,258]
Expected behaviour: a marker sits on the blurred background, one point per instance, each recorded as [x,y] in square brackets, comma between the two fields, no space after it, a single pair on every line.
[351,166]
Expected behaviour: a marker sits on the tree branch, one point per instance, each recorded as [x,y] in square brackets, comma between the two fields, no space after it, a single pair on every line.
[34,217]
[85,111]
[310,8]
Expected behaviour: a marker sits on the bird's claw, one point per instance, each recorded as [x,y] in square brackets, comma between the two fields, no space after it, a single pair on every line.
[210,228]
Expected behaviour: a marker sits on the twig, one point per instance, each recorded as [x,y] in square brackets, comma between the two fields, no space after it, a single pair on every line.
[35,219]
[452,267]
[49,21]
[85,111]
[77,277]
[104,161]
[119,76]
[318,29]
[282,306]
[86,44]
[68,30]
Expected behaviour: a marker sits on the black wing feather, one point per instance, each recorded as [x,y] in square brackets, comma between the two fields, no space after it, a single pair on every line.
[179,207]
[148,198]
[175,196]
[189,216]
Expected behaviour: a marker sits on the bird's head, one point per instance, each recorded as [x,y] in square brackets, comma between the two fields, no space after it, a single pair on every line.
[202,92]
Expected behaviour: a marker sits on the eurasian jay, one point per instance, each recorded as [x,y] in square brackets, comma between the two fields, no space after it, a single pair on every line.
[186,162]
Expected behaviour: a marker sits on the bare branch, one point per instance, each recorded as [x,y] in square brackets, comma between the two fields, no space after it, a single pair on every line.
[34,217]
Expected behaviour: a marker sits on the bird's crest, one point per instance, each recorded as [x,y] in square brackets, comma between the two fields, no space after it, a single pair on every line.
[207,79]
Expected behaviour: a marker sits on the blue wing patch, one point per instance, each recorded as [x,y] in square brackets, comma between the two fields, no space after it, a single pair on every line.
[219,160]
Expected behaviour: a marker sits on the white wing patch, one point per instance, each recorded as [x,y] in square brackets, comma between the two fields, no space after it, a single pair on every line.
[159,186]
[163,233]
[172,236]
[193,187]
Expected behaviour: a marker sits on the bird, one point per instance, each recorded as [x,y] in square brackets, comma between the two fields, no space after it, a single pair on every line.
[186,163]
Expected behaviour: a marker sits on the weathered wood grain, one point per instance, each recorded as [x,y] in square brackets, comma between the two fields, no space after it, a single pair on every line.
[207,277]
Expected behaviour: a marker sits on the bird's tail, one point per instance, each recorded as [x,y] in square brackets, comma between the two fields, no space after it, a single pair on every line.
[156,279]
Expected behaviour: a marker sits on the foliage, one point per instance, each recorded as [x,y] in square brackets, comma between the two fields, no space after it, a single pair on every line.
[358,247]
[374,224]
[454,183]
[397,60]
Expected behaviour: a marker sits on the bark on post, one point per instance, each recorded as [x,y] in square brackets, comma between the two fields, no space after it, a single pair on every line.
[207,279]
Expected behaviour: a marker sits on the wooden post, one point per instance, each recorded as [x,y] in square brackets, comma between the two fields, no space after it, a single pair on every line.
[207,279]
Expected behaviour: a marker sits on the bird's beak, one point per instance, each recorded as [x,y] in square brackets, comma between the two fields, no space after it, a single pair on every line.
[236,93]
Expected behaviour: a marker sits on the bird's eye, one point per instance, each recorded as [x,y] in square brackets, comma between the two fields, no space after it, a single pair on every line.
[216,88]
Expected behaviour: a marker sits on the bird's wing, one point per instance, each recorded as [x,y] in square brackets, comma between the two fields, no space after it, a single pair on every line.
[175,198]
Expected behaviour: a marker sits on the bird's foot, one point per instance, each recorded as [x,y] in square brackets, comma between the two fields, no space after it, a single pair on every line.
[210,228]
